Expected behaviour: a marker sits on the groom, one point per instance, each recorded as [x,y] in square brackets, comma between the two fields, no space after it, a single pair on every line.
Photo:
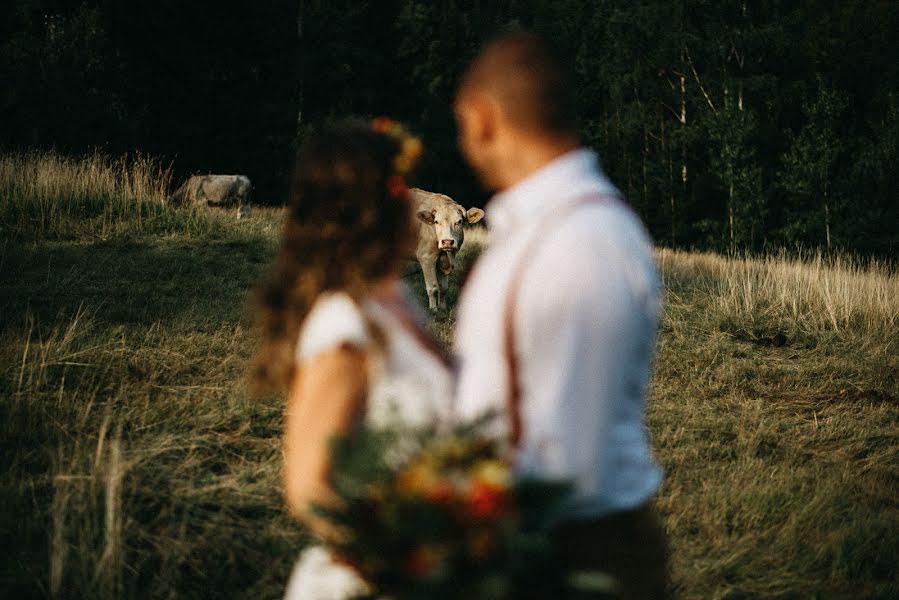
[557,324]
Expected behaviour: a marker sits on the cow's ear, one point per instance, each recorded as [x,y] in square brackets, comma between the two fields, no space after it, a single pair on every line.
[426,216]
[474,215]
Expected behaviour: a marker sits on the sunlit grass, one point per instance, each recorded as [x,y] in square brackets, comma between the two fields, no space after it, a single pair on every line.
[792,295]
[48,196]
[775,411]
[136,466]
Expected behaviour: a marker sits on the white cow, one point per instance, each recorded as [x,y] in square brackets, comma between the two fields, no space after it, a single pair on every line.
[214,190]
[441,233]
[244,211]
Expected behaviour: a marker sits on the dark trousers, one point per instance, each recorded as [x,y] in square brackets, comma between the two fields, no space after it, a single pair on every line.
[628,546]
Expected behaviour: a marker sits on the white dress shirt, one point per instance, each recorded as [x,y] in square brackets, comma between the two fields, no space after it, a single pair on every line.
[586,322]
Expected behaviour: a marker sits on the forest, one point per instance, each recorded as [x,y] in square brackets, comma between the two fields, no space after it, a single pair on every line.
[731,125]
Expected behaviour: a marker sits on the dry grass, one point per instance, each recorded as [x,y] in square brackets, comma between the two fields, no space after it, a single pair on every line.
[775,411]
[47,196]
[477,237]
[44,192]
[792,296]
[136,466]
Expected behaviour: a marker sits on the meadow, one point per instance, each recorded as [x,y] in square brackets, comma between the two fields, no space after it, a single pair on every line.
[136,465]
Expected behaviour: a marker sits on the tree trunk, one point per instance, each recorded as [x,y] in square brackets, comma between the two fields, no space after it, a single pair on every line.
[683,125]
[645,168]
[666,149]
[730,214]
[300,14]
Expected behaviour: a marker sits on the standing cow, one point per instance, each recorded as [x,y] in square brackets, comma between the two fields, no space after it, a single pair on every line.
[441,233]
[214,190]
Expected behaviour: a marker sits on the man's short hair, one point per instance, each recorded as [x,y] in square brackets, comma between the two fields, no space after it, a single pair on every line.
[529,80]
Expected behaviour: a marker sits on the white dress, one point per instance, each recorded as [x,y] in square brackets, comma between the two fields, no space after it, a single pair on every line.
[408,381]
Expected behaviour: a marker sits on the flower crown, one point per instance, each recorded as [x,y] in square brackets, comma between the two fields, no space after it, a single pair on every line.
[410,151]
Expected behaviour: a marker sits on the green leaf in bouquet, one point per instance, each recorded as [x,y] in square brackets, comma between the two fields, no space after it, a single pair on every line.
[593,582]
[437,515]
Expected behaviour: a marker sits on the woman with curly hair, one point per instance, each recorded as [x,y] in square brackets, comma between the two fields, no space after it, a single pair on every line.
[340,333]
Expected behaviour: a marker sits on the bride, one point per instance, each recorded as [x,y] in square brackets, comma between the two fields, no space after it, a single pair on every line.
[339,330]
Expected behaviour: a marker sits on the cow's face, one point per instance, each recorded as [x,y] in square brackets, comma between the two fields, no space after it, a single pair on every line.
[449,224]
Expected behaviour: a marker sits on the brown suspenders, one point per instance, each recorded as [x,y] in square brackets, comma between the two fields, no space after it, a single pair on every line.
[509,349]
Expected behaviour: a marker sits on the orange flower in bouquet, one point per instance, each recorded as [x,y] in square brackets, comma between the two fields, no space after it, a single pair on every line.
[487,502]
[448,521]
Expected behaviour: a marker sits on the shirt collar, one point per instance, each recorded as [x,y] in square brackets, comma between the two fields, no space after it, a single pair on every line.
[574,174]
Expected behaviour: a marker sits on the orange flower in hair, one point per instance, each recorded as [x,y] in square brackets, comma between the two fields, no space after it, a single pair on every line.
[410,146]
[396,186]
[383,124]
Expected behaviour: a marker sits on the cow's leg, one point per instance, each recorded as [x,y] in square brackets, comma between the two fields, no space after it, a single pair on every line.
[442,287]
[429,270]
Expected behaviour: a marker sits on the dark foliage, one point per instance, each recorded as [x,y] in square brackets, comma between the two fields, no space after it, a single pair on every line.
[729,125]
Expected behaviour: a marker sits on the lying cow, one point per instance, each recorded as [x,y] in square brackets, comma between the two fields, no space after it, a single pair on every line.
[440,236]
[214,190]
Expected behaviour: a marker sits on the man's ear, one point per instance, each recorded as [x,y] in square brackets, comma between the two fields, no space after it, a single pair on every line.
[478,114]
[474,215]
[426,216]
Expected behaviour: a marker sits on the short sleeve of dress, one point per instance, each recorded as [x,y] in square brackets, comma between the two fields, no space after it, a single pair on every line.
[333,321]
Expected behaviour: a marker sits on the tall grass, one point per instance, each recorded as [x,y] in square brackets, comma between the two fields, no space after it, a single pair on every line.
[775,411]
[45,195]
[782,298]
[135,465]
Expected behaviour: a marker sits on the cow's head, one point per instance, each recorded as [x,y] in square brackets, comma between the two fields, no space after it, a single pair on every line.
[449,224]
[179,195]
[244,211]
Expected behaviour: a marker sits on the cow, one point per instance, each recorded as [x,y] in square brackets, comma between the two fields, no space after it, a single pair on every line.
[441,233]
[214,190]
[244,211]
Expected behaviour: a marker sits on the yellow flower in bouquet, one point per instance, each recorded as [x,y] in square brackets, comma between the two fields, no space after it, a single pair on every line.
[422,479]
[494,472]
[446,522]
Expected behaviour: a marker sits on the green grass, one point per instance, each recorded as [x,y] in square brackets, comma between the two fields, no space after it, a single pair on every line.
[135,465]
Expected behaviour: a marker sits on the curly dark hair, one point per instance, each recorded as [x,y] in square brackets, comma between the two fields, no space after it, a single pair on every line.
[343,231]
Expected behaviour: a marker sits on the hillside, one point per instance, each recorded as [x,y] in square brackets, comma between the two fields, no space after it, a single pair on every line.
[136,466]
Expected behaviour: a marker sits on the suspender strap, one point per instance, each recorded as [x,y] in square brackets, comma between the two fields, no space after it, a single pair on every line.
[512,359]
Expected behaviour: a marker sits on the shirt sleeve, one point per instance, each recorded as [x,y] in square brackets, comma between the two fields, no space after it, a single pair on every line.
[334,320]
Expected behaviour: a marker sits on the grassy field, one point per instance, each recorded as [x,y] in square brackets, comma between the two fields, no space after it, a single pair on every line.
[136,466]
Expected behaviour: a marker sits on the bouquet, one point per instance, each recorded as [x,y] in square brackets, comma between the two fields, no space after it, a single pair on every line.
[439,516]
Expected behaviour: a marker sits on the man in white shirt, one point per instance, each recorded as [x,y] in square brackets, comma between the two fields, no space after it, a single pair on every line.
[557,323]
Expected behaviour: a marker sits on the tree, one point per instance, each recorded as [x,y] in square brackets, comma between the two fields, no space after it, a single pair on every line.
[811,165]
[733,161]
